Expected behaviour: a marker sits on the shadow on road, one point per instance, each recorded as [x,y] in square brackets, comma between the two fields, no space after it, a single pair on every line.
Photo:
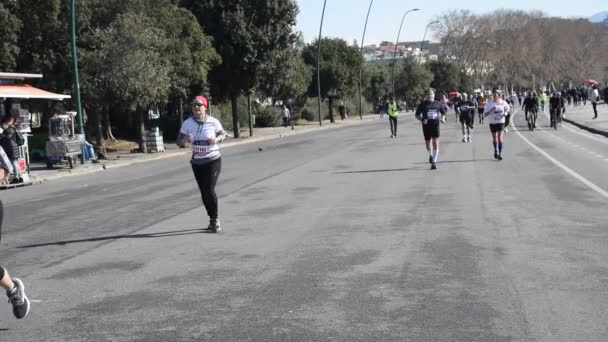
[118,237]
[459,161]
[382,170]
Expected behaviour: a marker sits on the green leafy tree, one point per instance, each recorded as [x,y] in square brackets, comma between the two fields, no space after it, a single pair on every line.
[339,69]
[412,80]
[131,67]
[9,36]
[446,76]
[376,81]
[44,42]
[246,33]
[285,75]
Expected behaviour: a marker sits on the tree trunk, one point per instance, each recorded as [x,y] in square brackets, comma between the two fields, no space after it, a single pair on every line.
[107,124]
[235,116]
[330,103]
[181,111]
[141,129]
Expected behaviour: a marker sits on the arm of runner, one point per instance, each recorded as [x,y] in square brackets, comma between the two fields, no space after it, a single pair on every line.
[184,136]
[419,112]
[5,163]
[220,134]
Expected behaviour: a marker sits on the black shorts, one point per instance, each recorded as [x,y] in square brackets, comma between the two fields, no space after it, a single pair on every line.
[480,110]
[430,131]
[466,118]
[497,127]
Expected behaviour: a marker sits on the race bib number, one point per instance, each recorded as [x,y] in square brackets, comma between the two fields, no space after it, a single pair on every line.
[200,149]
[432,115]
[464,108]
[498,114]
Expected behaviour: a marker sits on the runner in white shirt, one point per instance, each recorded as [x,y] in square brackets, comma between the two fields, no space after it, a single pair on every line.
[205,133]
[497,109]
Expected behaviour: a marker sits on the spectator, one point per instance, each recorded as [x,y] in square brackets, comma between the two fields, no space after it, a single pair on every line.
[10,140]
[286,116]
[594,96]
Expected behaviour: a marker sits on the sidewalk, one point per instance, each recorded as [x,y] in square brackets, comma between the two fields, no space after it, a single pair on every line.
[39,173]
[582,117]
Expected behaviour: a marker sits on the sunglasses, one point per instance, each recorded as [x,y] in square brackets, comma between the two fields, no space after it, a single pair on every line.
[198,105]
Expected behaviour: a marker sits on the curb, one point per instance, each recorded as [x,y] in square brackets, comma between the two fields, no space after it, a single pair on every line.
[587,128]
[104,166]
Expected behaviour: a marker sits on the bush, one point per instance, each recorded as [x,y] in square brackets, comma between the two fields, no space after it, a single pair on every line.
[268,117]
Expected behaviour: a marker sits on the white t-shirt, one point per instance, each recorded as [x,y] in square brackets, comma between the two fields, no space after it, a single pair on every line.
[201,132]
[498,110]
[594,95]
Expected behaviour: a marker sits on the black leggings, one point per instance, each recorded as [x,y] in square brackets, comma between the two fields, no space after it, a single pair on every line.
[594,104]
[206,177]
[393,121]
[1,219]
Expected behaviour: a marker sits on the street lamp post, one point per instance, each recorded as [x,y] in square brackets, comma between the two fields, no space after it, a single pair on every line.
[318,63]
[75,72]
[361,70]
[396,44]
[424,38]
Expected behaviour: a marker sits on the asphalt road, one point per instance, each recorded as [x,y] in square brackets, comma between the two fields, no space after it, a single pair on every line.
[341,235]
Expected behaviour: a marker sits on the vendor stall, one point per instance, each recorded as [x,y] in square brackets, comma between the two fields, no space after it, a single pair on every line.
[17,93]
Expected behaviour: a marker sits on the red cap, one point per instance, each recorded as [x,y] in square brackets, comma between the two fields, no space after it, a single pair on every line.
[202,100]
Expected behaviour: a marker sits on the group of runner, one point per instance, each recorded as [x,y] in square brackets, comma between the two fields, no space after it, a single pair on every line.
[431,112]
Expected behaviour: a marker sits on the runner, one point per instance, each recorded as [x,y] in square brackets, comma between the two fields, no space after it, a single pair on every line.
[481,106]
[543,99]
[429,112]
[205,133]
[466,108]
[392,116]
[497,109]
[13,286]
[511,104]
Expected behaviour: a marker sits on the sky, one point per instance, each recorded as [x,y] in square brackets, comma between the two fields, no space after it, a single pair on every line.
[345,18]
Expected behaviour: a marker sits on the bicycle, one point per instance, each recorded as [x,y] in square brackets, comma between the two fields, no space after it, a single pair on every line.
[532,116]
[554,118]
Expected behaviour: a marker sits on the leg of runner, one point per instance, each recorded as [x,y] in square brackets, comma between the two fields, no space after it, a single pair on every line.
[499,138]
[463,124]
[206,177]
[14,287]
[428,150]
[494,140]
[435,152]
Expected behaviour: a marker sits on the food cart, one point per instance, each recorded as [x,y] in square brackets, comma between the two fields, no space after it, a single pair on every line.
[17,92]
[63,145]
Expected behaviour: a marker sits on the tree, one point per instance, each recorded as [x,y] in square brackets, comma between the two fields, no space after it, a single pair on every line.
[339,68]
[130,66]
[376,81]
[446,76]
[285,75]
[44,42]
[412,80]
[246,33]
[9,37]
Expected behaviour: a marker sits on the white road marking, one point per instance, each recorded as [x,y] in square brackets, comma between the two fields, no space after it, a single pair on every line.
[562,166]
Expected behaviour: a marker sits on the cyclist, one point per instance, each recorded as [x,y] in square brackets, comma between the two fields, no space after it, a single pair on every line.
[429,112]
[497,109]
[556,108]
